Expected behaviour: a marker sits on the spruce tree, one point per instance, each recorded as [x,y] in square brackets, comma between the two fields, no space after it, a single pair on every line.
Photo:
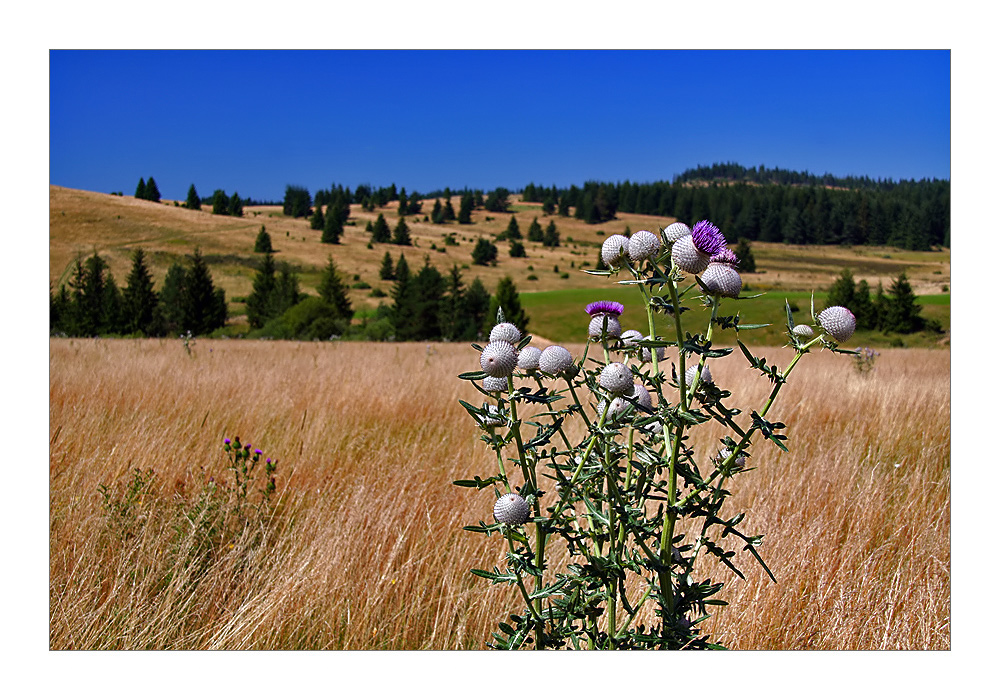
[448,213]
[92,309]
[902,314]
[286,292]
[475,311]
[404,302]
[428,290]
[549,205]
[485,253]
[316,223]
[513,231]
[172,298]
[138,299]
[437,212]
[745,255]
[193,200]
[517,250]
[333,291]
[551,237]
[451,307]
[506,297]
[140,189]
[263,242]
[152,191]
[204,307]
[401,234]
[258,304]
[863,308]
[415,205]
[235,205]
[465,209]
[841,292]
[220,203]
[535,232]
[403,204]
[386,272]
[380,231]
[333,227]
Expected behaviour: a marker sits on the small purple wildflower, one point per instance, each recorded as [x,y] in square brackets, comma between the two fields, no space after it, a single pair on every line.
[226,441]
[257,452]
[611,308]
[707,238]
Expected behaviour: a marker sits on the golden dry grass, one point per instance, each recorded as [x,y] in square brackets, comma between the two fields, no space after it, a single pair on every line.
[369,438]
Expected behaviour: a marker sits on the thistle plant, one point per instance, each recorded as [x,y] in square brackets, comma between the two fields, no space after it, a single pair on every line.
[635,504]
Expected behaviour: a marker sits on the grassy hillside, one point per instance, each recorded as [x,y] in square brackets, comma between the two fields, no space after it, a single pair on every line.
[550,280]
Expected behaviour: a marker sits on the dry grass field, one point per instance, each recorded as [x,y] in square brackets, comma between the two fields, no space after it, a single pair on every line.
[368,550]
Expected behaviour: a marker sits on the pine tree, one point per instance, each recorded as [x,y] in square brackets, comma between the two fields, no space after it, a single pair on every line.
[863,308]
[428,289]
[506,297]
[235,205]
[263,242]
[152,191]
[333,291]
[193,200]
[451,307]
[204,307]
[258,304]
[172,298]
[448,214]
[535,232]
[286,292]
[465,209]
[841,292]
[475,311]
[415,205]
[380,231]
[517,250]
[404,302]
[386,272]
[316,223]
[551,237]
[403,204]
[902,314]
[220,203]
[139,300]
[333,227]
[485,253]
[92,311]
[549,205]
[140,189]
[513,231]
[401,234]
[437,212]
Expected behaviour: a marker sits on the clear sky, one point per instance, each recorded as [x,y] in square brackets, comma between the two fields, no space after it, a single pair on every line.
[256,121]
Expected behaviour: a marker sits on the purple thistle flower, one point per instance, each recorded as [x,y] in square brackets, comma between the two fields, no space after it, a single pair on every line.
[611,308]
[226,441]
[257,452]
[726,256]
[707,238]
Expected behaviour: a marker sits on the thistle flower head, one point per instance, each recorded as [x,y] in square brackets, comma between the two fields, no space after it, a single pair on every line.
[722,279]
[495,384]
[630,337]
[597,327]
[511,509]
[647,353]
[613,249]
[641,396]
[616,378]
[707,238]
[498,359]
[617,407]
[686,256]
[838,322]
[706,375]
[643,245]
[726,256]
[676,231]
[803,331]
[505,331]
[555,359]
[609,308]
[527,359]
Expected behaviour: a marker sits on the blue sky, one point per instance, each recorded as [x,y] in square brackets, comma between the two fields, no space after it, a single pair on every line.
[256,121]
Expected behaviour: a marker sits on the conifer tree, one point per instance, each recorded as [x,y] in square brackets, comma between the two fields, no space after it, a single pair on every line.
[513,231]
[475,312]
[193,200]
[902,314]
[551,237]
[152,191]
[517,250]
[333,227]
[403,204]
[140,189]
[333,291]
[220,204]
[451,307]
[380,230]
[386,272]
[404,302]
[235,205]
[286,291]
[507,298]
[841,292]
[263,242]
[548,205]
[172,298]
[203,306]
[401,234]
[138,299]
[92,310]
[448,212]
[258,304]
[415,205]
[437,212]
[317,221]
[485,253]
[744,253]
[428,291]
[535,232]
[465,209]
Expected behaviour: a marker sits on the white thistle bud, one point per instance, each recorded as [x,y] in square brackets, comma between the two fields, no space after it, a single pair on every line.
[647,353]
[641,396]
[511,509]
[505,331]
[498,359]
[527,359]
[616,378]
[495,384]
[676,231]
[838,322]
[706,375]
[643,245]
[596,328]
[803,331]
[722,279]
[617,407]
[630,337]
[687,257]
[724,455]
[555,359]
[613,249]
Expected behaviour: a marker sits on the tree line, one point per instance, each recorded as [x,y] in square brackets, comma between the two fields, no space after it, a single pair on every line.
[892,311]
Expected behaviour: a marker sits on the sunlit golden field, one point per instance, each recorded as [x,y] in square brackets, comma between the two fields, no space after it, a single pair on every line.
[369,551]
